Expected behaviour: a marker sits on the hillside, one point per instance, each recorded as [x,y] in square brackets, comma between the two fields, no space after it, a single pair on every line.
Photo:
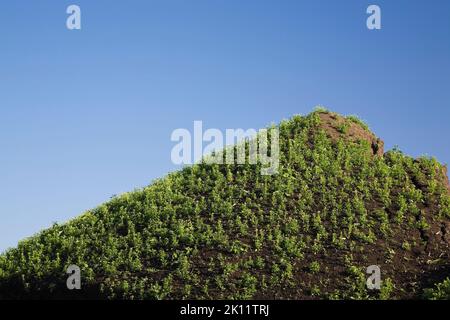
[338,205]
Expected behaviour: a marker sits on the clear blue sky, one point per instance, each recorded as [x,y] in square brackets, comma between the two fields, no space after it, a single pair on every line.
[88,114]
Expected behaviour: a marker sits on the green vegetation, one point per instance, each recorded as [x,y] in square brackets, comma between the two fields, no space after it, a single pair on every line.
[358,121]
[441,291]
[228,232]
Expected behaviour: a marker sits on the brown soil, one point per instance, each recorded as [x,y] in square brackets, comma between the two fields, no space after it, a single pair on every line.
[444,177]
[338,127]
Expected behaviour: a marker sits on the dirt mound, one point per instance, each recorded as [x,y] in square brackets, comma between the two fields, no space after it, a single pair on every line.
[444,177]
[350,129]
[229,233]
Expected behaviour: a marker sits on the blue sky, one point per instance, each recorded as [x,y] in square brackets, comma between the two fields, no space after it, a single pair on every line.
[87,114]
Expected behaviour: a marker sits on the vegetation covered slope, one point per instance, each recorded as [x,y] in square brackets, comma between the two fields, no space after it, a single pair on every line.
[338,205]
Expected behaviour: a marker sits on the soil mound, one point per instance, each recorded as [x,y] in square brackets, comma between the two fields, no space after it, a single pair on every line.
[337,206]
[351,129]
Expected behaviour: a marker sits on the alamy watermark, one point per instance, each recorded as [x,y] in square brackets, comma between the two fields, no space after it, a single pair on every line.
[374,280]
[236,146]
[74,279]
[374,20]
[73,22]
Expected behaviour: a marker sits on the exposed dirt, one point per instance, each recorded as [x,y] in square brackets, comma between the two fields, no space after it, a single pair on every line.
[337,127]
[444,177]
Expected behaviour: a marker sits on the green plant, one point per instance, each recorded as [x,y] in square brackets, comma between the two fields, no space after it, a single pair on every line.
[357,120]
[314,267]
[387,288]
[441,291]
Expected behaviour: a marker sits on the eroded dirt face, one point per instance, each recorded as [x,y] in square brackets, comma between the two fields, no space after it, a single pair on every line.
[337,127]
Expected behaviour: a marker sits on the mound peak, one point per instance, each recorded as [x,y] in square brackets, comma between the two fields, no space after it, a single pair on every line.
[349,129]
